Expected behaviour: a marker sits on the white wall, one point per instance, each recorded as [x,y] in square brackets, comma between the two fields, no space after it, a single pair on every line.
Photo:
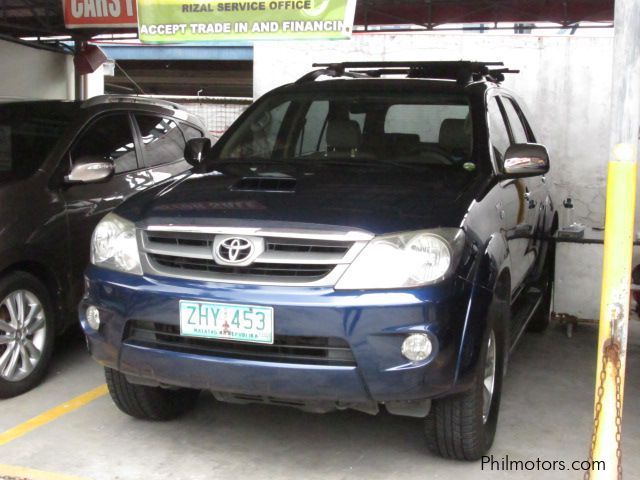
[566,83]
[33,73]
[94,83]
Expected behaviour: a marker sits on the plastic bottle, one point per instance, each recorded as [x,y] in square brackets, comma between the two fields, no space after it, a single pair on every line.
[568,212]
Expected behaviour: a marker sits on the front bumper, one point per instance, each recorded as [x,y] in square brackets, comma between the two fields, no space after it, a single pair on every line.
[373,323]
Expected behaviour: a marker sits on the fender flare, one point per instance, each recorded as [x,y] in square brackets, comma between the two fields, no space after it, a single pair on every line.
[491,283]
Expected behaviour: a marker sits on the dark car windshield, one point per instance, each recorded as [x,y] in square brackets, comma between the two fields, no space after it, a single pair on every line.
[28,132]
[405,129]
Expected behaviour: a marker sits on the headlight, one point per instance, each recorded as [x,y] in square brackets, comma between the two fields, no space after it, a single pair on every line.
[403,260]
[114,245]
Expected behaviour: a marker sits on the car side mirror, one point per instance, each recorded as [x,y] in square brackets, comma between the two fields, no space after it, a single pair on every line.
[197,150]
[90,169]
[525,160]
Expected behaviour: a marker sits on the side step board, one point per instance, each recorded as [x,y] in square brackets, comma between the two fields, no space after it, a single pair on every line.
[523,309]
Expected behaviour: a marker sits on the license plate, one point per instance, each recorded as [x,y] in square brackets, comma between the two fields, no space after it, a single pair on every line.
[244,323]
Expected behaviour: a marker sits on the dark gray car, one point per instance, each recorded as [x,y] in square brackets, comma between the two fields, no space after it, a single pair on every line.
[63,166]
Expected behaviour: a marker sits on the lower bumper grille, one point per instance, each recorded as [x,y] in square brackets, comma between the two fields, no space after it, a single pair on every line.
[286,348]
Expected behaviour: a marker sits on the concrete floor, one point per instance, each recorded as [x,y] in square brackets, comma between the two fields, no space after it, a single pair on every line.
[546,413]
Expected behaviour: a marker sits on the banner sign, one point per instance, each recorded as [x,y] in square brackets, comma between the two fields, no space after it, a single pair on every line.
[180,21]
[100,13]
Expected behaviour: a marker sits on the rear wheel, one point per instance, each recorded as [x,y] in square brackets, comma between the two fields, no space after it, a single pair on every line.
[26,333]
[463,427]
[148,403]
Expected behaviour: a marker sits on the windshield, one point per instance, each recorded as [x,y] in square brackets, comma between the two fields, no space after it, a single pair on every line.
[28,132]
[409,129]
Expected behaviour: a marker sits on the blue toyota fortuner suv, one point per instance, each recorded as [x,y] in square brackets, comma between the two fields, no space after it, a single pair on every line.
[373,235]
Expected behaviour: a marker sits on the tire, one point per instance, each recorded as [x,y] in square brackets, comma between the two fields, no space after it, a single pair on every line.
[148,403]
[456,427]
[26,334]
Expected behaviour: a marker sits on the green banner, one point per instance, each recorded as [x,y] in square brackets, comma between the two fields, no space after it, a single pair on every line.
[161,21]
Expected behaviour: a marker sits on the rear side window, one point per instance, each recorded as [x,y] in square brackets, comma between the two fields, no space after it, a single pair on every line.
[517,128]
[423,120]
[190,132]
[162,140]
[497,130]
[108,138]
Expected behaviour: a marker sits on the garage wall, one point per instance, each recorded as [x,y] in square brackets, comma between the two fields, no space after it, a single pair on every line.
[565,80]
[34,73]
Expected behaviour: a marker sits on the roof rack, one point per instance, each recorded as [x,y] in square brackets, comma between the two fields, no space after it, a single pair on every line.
[462,71]
[111,98]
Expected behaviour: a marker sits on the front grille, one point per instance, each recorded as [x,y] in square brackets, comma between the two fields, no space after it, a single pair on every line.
[297,259]
[256,269]
[285,349]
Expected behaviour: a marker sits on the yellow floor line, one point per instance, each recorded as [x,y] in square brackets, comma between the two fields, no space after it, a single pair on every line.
[31,474]
[50,415]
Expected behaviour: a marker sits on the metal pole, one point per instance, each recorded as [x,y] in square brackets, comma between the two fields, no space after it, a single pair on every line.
[80,90]
[618,242]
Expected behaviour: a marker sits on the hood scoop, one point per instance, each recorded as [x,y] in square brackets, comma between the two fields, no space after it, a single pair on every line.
[279,184]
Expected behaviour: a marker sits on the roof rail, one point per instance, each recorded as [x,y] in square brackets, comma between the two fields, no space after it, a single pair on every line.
[462,71]
[102,99]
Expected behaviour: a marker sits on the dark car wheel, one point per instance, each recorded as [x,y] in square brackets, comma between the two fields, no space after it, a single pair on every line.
[26,333]
[462,427]
[148,403]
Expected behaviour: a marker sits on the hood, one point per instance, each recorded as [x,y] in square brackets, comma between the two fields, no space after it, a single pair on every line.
[380,199]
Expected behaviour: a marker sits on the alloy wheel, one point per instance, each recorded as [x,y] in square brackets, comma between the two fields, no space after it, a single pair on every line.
[23,333]
[489,381]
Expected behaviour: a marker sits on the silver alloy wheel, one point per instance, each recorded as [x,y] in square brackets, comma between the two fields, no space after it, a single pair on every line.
[23,333]
[489,377]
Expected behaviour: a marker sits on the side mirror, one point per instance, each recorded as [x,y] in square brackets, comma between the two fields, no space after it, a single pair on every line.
[525,160]
[90,169]
[196,150]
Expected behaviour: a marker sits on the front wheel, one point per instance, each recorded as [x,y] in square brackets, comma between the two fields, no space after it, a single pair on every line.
[462,427]
[26,333]
[148,403]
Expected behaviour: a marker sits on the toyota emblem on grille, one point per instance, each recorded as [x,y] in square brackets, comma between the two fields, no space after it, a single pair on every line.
[234,249]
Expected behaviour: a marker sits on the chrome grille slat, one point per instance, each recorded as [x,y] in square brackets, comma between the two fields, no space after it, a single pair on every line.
[180,251]
[255,269]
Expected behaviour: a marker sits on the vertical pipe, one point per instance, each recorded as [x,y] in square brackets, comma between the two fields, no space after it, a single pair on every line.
[618,243]
[79,46]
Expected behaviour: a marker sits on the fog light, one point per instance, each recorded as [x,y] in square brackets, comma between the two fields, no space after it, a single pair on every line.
[93,317]
[416,347]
